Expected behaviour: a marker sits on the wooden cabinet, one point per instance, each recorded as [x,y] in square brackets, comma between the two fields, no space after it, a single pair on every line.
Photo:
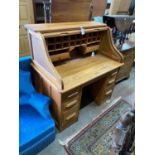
[128,51]
[38,6]
[119,7]
[42,11]
[25,17]
[67,11]
[66,57]
[79,10]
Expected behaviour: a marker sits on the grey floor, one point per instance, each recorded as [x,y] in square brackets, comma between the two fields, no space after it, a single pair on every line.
[125,89]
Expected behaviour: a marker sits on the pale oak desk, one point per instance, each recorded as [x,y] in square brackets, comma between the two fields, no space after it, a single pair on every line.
[64,62]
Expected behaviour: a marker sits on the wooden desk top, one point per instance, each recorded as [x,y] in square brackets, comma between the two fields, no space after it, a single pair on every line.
[81,71]
[56,27]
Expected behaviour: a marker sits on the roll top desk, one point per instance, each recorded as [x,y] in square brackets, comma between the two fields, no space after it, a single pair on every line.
[69,56]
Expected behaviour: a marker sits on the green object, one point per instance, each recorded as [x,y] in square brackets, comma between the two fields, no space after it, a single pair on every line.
[96,138]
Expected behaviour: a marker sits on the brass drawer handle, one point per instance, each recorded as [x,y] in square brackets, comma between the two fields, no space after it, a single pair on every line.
[69,96]
[113,73]
[111,81]
[109,92]
[71,116]
[71,104]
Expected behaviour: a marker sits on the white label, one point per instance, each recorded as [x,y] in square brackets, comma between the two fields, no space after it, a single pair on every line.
[93,54]
[82,30]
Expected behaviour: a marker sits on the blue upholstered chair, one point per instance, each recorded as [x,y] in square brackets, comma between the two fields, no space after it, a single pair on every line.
[36,126]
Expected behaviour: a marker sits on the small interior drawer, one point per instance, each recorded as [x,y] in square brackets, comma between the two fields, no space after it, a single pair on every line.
[60,57]
[89,48]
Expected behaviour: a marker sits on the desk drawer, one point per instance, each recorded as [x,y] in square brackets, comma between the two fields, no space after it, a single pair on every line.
[110,83]
[107,97]
[71,94]
[113,74]
[70,116]
[110,80]
[68,104]
[108,92]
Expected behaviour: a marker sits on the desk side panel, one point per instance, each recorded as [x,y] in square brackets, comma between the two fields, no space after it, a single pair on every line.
[108,48]
[46,87]
[41,57]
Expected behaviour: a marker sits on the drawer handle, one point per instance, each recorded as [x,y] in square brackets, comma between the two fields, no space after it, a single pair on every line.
[69,96]
[113,73]
[109,92]
[71,104]
[111,81]
[71,116]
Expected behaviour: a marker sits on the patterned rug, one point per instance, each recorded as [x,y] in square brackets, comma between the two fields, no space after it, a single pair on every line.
[96,137]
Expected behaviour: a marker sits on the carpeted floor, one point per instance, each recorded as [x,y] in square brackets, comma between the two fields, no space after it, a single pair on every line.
[126,89]
[96,137]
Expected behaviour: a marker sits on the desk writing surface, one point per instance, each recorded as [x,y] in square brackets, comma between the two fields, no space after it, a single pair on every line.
[80,71]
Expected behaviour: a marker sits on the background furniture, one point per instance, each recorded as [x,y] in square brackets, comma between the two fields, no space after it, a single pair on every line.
[119,7]
[42,11]
[36,126]
[121,27]
[98,7]
[132,8]
[71,11]
[69,56]
[25,17]
[128,51]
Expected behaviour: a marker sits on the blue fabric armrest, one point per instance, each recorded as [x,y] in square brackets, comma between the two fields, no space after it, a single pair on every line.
[41,104]
[25,82]
[23,99]
[29,96]
[24,63]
